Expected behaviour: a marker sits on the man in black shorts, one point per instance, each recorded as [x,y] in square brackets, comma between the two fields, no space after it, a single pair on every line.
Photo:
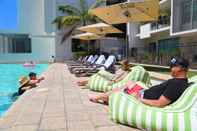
[169,91]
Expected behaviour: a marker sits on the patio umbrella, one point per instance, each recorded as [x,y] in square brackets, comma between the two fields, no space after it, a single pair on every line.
[134,11]
[87,36]
[100,28]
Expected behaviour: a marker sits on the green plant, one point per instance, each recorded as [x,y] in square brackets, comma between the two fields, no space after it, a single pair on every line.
[76,16]
[78,54]
[175,52]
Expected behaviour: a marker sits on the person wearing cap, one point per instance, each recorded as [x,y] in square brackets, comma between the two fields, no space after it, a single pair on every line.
[23,85]
[34,80]
[158,95]
[169,91]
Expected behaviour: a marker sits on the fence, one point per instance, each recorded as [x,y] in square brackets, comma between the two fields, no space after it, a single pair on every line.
[158,56]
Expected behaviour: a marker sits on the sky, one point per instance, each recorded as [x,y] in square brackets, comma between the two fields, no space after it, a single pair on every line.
[8,14]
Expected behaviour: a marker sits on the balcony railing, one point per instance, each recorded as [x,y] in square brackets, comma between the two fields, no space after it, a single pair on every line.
[163,21]
[158,56]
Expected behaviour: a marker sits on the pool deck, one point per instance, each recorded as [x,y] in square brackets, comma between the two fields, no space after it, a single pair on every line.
[58,104]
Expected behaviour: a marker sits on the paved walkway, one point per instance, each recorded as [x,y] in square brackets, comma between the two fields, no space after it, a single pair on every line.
[58,104]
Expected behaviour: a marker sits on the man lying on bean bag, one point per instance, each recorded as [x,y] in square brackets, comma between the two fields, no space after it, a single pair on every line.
[159,95]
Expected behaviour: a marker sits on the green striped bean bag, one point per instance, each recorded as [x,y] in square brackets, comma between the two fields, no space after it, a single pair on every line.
[193,79]
[138,73]
[179,116]
[107,75]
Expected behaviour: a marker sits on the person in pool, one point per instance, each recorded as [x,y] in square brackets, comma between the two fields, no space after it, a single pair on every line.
[33,79]
[23,85]
[26,84]
[160,95]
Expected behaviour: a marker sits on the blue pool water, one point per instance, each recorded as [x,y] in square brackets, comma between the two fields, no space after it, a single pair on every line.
[9,75]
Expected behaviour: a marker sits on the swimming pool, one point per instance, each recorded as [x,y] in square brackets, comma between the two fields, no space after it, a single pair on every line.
[9,75]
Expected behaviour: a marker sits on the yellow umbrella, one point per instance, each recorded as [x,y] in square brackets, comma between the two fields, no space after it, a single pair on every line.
[100,28]
[134,11]
[87,36]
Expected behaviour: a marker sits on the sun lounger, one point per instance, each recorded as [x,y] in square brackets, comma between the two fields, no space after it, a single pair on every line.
[137,73]
[91,59]
[96,62]
[179,116]
[108,65]
[87,61]
[78,62]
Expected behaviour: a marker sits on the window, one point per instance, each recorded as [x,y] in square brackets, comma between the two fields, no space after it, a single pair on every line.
[186,11]
[134,52]
[19,45]
[152,47]
[78,46]
[195,10]
[15,44]
[169,46]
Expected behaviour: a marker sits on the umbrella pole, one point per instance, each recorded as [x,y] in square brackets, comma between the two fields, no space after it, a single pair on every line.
[88,46]
[99,44]
[127,47]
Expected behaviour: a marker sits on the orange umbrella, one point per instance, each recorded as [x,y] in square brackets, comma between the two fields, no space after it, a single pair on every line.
[87,36]
[100,28]
[134,11]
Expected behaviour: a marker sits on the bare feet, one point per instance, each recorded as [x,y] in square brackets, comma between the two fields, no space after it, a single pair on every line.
[81,83]
[102,98]
[93,98]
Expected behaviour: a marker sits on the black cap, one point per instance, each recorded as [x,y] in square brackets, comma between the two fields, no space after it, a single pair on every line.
[179,62]
[32,74]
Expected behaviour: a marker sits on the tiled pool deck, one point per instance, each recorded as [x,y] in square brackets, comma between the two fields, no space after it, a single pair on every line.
[58,104]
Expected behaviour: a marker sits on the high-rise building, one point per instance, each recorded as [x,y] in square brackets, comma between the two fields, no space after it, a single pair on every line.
[36,38]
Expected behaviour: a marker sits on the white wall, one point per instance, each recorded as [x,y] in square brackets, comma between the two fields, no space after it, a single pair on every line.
[31,17]
[132,31]
[63,50]
[42,50]
[50,15]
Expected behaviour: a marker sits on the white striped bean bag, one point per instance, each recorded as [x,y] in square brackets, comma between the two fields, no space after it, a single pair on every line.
[138,73]
[179,116]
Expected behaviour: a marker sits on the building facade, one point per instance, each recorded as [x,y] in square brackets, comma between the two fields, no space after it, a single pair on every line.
[174,34]
[36,38]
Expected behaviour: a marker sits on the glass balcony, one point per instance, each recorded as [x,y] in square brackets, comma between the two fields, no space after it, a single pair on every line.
[161,53]
[164,21]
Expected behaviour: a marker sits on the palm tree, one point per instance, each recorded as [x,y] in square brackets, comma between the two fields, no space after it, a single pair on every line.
[75,16]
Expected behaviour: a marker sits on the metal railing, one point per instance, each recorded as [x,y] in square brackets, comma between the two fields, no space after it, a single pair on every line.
[145,55]
[163,21]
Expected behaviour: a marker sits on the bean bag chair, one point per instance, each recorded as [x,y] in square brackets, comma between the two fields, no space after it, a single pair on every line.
[193,79]
[107,75]
[137,73]
[179,116]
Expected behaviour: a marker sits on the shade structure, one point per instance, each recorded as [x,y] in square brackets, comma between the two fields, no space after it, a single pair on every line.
[100,28]
[133,11]
[87,36]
